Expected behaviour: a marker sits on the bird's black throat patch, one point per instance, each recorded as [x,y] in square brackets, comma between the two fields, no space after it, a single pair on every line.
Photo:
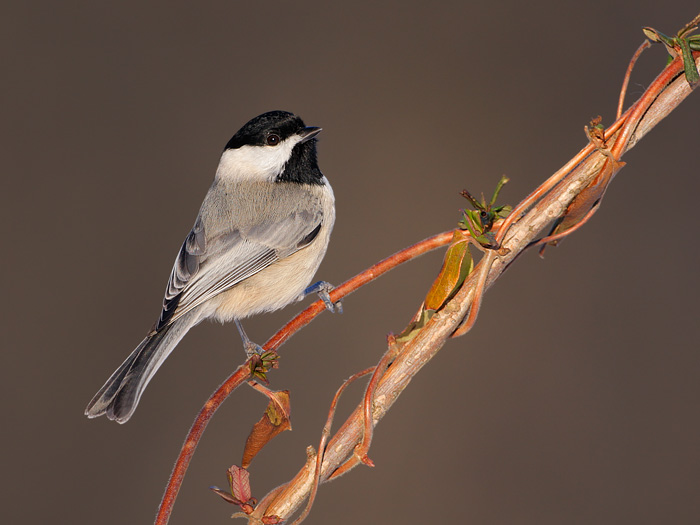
[302,166]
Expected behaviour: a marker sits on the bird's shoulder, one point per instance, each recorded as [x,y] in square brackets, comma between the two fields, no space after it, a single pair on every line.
[253,207]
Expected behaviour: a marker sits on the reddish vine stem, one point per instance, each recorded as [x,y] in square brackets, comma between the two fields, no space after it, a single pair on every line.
[552,181]
[239,377]
[633,117]
[642,105]
[360,452]
[628,74]
[242,374]
[325,436]
[356,282]
[559,236]
[627,121]
[479,290]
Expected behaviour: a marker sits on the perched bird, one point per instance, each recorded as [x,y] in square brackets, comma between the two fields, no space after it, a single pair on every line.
[258,240]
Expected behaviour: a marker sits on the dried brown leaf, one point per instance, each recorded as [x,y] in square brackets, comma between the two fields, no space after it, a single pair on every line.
[274,420]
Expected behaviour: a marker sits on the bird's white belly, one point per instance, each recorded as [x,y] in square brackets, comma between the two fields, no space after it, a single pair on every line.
[273,288]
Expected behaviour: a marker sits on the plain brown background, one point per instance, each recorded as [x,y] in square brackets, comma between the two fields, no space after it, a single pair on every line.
[575,398]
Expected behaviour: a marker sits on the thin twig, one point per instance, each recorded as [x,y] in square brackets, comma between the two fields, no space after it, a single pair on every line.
[193,437]
[552,181]
[479,290]
[552,238]
[325,435]
[356,282]
[620,103]
[361,449]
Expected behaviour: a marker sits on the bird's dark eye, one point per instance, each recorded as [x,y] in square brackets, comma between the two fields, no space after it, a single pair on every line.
[273,140]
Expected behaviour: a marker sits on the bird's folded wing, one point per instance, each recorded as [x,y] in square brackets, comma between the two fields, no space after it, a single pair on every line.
[205,267]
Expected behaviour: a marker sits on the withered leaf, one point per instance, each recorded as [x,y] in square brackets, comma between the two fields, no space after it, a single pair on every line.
[274,420]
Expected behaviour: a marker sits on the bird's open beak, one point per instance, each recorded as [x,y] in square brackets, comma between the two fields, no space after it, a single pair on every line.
[308,133]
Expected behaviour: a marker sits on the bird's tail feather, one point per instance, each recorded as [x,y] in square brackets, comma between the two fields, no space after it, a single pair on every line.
[118,398]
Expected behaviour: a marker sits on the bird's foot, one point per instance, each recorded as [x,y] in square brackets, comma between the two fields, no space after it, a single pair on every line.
[323,289]
[249,346]
[252,349]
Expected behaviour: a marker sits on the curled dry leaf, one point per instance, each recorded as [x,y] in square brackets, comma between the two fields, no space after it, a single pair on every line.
[274,420]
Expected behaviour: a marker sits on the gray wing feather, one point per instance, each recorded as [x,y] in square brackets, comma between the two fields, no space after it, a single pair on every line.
[208,265]
[187,262]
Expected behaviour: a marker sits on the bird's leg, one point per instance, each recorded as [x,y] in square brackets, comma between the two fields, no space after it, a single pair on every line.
[249,346]
[323,289]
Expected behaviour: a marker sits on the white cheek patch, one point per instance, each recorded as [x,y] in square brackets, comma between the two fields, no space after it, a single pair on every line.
[256,162]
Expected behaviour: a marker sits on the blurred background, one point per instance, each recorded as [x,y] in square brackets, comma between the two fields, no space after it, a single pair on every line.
[573,400]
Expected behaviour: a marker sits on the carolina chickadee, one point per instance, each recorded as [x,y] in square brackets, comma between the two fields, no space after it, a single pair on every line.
[258,240]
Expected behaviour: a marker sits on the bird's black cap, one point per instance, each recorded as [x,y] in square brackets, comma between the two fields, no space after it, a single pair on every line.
[255,131]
